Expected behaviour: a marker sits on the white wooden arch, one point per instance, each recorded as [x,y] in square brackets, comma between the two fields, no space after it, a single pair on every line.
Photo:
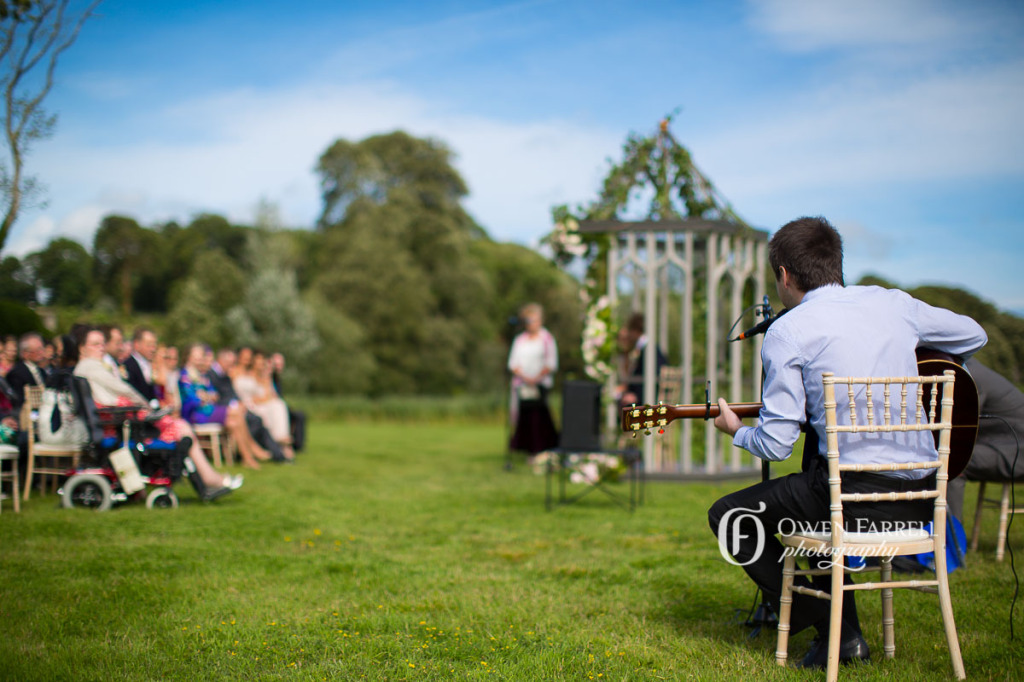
[656,265]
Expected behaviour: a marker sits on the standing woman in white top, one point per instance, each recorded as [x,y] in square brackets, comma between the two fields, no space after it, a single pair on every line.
[532,362]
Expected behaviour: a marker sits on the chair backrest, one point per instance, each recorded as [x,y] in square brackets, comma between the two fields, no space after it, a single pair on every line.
[33,397]
[581,416]
[85,406]
[906,405]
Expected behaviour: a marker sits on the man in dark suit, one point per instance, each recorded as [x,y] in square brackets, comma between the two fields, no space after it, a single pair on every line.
[26,371]
[634,345]
[138,366]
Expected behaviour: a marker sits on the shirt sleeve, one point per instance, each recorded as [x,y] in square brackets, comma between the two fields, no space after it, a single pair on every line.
[783,403]
[947,331]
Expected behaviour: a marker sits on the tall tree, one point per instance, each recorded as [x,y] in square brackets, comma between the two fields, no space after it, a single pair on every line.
[64,270]
[33,36]
[370,169]
[119,250]
[396,256]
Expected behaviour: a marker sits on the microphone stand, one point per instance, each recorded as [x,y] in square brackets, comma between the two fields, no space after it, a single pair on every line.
[763,615]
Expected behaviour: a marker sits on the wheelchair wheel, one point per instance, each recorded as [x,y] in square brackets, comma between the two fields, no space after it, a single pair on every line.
[87,491]
[161,498]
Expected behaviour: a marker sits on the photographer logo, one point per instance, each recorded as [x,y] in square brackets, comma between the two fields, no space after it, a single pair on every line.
[729,529]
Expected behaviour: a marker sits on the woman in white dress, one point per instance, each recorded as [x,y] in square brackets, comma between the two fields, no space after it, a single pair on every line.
[532,362]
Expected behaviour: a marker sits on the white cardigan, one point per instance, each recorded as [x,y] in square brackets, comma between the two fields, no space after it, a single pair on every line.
[106,388]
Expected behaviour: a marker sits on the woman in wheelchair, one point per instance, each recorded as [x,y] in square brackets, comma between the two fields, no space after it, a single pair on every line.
[110,390]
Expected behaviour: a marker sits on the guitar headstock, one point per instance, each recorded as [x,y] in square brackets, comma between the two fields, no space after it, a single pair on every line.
[645,417]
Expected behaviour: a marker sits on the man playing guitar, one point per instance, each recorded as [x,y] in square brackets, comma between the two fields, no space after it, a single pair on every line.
[850,331]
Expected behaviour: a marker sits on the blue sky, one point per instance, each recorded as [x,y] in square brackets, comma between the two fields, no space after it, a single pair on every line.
[899,120]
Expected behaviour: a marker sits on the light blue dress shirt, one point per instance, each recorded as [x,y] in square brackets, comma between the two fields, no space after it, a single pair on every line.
[849,331]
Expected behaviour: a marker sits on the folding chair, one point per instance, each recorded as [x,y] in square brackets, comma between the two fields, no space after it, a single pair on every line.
[580,439]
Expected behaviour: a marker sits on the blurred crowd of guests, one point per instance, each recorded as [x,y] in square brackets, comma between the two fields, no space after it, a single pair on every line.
[238,389]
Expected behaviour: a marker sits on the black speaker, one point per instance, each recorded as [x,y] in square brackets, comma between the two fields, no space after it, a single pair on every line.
[581,416]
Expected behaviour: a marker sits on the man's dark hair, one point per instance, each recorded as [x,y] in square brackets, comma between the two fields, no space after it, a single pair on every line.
[140,330]
[635,323]
[107,330]
[811,251]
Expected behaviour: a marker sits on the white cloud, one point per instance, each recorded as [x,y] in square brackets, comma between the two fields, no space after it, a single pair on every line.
[807,25]
[951,125]
[265,144]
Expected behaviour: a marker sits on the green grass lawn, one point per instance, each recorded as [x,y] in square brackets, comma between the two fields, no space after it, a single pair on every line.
[404,552]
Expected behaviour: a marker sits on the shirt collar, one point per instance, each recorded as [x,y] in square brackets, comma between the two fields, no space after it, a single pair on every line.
[822,292]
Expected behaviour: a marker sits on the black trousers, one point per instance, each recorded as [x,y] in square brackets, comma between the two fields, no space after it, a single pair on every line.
[791,503]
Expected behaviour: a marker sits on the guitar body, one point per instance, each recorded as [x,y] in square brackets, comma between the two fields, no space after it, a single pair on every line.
[929,363]
[965,406]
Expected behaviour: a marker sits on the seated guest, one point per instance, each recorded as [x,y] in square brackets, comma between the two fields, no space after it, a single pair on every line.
[243,358]
[26,371]
[165,378]
[201,404]
[256,391]
[8,354]
[222,369]
[138,366]
[108,390]
[113,345]
[220,373]
[296,417]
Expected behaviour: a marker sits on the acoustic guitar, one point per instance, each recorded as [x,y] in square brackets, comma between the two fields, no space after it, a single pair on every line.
[929,363]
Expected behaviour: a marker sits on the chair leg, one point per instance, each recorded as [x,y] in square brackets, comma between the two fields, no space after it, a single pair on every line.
[1004,519]
[946,605]
[976,533]
[835,627]
[28,475]
[16,488]
[785,610]
[888,618]
[215,450]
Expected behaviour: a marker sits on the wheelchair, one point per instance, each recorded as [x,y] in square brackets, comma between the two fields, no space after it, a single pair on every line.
[124,461]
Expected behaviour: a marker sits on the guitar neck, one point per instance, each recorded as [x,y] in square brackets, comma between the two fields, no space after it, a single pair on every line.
[645,417]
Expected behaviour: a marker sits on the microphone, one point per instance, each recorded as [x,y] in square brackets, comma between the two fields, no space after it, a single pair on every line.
[761,327]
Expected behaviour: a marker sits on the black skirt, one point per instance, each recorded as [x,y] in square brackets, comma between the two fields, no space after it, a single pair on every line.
[534,429]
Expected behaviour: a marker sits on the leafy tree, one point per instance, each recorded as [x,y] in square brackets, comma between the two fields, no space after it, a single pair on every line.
[272,313]
[120,247]
[64,269]
[344,364]
[215,285]
[33,36]
[372,168]
[17,283]
[397,256]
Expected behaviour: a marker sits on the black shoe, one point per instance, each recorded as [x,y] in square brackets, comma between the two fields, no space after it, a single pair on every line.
[211,494]
[852,648]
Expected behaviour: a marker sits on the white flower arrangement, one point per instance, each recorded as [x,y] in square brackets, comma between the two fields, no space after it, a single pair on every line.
[598,344]
[565,239]
[586,468]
